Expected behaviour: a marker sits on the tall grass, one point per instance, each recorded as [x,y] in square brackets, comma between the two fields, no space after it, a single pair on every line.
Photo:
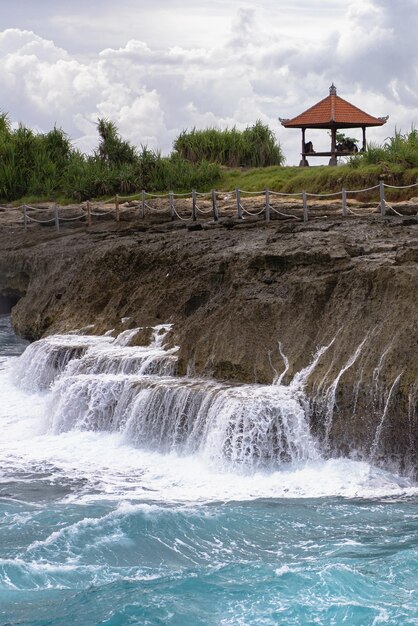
[253,147]
[401,149]
[48,166]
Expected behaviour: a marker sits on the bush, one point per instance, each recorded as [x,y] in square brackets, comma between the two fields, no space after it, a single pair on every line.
[402,149]
[253,147]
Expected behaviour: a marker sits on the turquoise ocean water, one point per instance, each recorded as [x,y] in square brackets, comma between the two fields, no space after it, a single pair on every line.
[109,515]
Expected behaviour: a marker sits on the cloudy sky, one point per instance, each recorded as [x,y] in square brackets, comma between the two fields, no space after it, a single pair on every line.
[156,67]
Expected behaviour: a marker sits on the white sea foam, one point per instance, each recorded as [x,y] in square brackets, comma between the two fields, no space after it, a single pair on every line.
[105,465]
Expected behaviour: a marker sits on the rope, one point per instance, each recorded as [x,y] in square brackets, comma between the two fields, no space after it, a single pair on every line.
[183,195]
[362,190]
[250,212]
[206,193]
[392,209]
[135,195]
[229,206]
[362,214]
[156,195]
[294,217]
[183,219]
[151,208]
[324,195]
[281,193]
[32,219]
[35,208]
[101,214]
[401,187]
[252,193]
[71,219]
[203,211]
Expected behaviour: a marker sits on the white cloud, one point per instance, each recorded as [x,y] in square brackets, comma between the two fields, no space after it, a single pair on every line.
[265,61]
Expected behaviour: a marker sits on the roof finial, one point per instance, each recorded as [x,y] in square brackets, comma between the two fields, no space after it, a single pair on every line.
[333,90]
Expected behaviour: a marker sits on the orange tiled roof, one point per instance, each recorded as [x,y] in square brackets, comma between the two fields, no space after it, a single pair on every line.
[333,111]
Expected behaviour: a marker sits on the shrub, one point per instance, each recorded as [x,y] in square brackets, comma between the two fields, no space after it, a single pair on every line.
[253,147]
[401,149]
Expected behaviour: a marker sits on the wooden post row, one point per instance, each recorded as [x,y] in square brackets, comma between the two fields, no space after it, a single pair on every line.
[57,221]
[143,203]
[267,211]
[194,215]
[239,207]
[117,207]
[382,197]
[305,206]
[172,213]
[344,201]
[214,206]
[88,207]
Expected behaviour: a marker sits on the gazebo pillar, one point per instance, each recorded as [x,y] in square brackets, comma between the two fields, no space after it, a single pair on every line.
[303,162]
[364,139]
[333,159]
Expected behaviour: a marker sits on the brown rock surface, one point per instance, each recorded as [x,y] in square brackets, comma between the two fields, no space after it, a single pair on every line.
[240,293]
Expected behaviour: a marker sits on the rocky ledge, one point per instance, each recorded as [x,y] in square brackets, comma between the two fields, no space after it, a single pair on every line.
[248,302]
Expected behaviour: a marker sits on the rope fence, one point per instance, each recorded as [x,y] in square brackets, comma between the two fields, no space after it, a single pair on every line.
[187,207]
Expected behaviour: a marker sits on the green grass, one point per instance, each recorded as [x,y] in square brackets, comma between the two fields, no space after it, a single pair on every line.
[257,179]
[319,179]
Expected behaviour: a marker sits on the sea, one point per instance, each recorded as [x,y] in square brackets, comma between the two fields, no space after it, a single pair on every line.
[131,495]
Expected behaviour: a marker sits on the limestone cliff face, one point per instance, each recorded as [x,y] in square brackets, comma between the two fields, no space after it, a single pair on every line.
[246,298]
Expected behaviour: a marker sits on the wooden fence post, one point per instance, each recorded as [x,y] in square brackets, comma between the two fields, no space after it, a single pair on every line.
[214,206]
[239,207]
[25,218]
[194,215]
[117,207]
[382,197]
[305,206]
[267,211]
[172,213]
[344,201]
[88,207]
[57,221]
[143,203]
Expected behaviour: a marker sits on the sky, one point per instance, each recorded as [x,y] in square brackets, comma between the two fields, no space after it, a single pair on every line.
[157,67]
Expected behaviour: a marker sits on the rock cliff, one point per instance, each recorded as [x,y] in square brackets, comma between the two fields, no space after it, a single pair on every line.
[249,302]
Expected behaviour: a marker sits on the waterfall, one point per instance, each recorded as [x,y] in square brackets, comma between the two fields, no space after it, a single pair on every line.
[43,361]
[375,445]
[330,392]
[105,384]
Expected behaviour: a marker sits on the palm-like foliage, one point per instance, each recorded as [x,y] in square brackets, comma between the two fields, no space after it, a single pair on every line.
[113,150]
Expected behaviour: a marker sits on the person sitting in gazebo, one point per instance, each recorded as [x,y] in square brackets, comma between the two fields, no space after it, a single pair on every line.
[309,149]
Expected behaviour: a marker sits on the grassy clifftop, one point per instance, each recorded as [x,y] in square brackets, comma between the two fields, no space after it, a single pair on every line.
[39,167]
[320,179]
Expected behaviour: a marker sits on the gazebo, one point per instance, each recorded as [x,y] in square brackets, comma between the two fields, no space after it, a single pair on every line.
[332,113]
